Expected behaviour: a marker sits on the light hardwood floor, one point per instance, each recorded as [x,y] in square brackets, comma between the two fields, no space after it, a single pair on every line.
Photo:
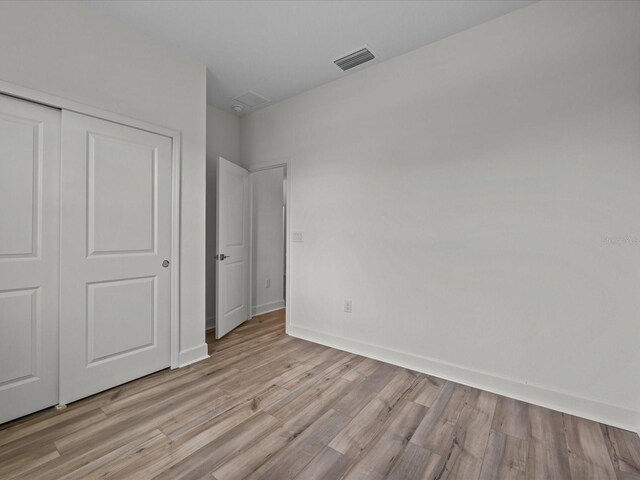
[266,405]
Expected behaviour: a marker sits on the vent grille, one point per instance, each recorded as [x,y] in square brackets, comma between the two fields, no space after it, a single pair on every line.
[354,59]
[251,99]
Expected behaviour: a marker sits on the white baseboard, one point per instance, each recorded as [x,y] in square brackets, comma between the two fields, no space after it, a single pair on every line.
[537,395]
[210,323]
[193,355]
[267,307]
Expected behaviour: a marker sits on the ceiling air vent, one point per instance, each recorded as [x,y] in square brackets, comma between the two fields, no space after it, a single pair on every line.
[354,59]
[251,99]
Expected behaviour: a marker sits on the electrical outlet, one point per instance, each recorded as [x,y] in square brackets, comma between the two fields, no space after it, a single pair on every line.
[267,284]
[297,237]
[347,306]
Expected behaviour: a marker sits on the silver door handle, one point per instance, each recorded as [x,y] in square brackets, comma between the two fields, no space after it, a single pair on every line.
[165,264]
[222,256]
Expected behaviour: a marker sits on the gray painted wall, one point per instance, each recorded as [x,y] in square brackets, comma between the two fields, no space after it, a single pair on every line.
[478,201]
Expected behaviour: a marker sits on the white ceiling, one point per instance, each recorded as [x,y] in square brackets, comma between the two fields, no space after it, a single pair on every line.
[281,48]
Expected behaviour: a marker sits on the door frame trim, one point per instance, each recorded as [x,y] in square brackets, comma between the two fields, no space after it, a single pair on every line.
[258,167]
[48,100]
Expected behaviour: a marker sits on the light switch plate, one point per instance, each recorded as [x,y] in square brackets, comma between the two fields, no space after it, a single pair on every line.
[297,237]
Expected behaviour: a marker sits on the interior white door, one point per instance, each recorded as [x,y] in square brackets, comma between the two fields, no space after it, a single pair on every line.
[29,233]
[116,243]
[232,246]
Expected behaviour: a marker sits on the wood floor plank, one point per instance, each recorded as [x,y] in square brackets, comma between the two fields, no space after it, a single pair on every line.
[207,458]
[336,363]
[266,405]
[588,453]
[310,410]
[363,428]
[435,431]
[548,456]
[364,368]
[415,462]
[624,450]
[155,459]
[512,418]
[505,458]
[360,392]
[546,425]
[326,370]
[263,366]
[368,422]
[327,465]
[402,384]
[117,428]
[378,462]
[203,411]
[68,465]
[291,459]
[164,390]
[468,443]
[51,434]
[219,424]
[28,460]
[108,465]
[42,420]
[547,461]
[250,459]
[427,390]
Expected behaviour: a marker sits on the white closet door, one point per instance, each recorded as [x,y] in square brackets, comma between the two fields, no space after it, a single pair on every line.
[29,233]
[116,244]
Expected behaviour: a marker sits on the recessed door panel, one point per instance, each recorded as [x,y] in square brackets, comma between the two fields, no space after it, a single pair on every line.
[235,216]
[116,307]
[235,294]
[19,344]
[116,218]
[122,196]
[20,163]
[29,256]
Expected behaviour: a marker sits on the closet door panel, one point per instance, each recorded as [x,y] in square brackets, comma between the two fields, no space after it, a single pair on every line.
[29,256]
[116,246]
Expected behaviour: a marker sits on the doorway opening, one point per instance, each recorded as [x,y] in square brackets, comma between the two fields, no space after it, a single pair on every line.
[268,233]
[251,276]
